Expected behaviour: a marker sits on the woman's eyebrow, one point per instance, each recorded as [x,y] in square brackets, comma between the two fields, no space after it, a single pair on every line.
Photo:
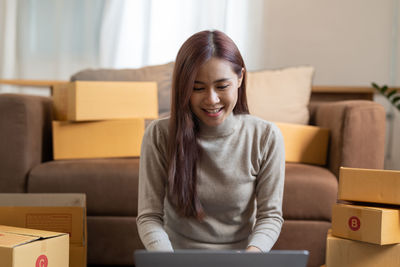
[216,81]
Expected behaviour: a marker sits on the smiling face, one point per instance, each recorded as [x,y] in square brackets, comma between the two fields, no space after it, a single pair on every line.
[215,91]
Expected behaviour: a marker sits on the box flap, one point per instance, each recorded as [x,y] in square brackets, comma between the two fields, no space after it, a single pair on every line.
[371,206]
[28,232]
[10,240]
[42,200]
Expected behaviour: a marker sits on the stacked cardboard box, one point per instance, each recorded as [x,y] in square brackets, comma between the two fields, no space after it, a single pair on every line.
[21,247]
[305,143]
[101,119]
[366,230]
[63,213]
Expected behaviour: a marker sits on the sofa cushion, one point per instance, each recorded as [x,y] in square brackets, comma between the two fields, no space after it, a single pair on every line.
[280,95]
[162,74]
[305,235]
[110,184]
[309,193]
[105,232]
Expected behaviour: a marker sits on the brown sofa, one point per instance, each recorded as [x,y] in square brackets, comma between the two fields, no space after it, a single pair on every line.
[26,165]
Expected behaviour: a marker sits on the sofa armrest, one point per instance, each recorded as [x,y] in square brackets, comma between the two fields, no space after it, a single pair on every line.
[357,133]
[25,138]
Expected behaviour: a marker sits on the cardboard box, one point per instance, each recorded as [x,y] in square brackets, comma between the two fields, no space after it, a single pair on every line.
[88,100]
[305,143]
[369,224]
[342,252]
[97,139]
[64,213]
[20,247]
[368,185]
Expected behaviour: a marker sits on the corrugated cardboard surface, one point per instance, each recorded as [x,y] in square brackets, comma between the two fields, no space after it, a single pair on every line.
[11,239]
[60,219]
[342,252]
[28,247]
[89,100]
[305,143]
[60,101]
[64,213]
[77,255]
[97,139]
[369,224]
[368,185]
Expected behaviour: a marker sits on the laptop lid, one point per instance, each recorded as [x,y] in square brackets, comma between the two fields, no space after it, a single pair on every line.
[217,258]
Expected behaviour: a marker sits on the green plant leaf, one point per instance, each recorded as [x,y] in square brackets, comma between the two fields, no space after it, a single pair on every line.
[380,89]
[395,99]
[392,96]
[391,93]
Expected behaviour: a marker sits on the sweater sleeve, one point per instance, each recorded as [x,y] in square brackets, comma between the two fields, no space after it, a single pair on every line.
[269,192]
[152,188]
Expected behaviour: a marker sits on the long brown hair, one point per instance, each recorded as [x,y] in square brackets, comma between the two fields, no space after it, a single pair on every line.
[183,149]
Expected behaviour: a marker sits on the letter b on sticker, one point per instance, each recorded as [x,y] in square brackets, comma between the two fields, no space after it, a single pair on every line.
[354,223]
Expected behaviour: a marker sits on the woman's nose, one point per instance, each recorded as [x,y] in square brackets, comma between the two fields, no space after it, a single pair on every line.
[212,97]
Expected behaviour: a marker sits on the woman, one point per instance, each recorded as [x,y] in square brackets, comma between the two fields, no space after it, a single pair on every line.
[211,176]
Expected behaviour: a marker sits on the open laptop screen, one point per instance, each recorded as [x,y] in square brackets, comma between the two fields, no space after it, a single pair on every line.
[217,258]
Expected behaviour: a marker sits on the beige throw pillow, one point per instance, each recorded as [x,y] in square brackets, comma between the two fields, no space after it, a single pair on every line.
[280,95]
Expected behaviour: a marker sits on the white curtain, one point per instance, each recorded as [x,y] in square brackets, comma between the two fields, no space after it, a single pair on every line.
[8,41]
[47,40]
[53,39]
[148,32]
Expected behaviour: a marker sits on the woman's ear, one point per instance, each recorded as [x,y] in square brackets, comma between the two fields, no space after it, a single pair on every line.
[240,79]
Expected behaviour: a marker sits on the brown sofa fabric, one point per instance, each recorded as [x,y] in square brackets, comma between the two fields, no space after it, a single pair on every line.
[357,133]
[23,138]
[110,184]
[112,240]
[309,193]
[296,235]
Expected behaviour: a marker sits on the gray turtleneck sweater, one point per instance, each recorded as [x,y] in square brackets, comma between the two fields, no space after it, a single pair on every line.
[240,177]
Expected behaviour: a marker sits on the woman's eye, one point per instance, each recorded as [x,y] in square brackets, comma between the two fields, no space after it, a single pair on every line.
[198,88]
[223,86]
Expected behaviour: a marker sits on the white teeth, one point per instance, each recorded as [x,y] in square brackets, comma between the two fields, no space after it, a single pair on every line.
[213,110]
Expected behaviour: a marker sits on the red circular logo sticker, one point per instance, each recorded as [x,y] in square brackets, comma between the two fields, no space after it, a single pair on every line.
[42,261]
[354,223]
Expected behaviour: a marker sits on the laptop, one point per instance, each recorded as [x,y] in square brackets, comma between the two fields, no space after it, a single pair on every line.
[218,258]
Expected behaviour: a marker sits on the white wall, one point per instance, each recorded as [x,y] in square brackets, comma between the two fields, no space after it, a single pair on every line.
[348,42]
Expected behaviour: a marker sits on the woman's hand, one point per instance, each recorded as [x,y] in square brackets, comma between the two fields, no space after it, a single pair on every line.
[253,249]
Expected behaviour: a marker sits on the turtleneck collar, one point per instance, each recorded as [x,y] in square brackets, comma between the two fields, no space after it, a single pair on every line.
[227,127]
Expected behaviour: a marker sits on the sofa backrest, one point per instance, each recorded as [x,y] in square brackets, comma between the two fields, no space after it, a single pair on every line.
[162,74]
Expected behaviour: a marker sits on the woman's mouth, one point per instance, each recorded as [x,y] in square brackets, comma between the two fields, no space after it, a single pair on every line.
[213,112]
